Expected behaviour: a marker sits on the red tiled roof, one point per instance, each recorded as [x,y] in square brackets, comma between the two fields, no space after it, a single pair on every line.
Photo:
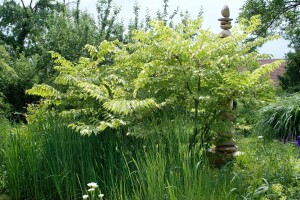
[279,71]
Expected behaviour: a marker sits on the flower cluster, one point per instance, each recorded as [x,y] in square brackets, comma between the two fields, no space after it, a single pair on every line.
[92,188]
[298,141]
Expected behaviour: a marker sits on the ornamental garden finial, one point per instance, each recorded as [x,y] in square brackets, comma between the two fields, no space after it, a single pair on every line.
[224,140]
[225,146]
[225,22]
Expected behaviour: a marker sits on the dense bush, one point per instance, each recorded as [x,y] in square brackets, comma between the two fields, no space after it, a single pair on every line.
[120,84]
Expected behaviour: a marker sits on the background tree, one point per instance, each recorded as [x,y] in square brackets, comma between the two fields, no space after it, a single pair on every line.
[279,17]
[69,31]
[21,28]
[109,27]
[290,80]
[6,78]
[21,24]
[30,31]
[17,75]
[134,24]
[67,35]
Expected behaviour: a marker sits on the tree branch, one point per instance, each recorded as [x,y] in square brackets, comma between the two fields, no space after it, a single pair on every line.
[23,4]
[188,87]
[199,85]
[30,5]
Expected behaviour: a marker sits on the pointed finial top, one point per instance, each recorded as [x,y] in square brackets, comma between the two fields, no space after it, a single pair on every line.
[225,11]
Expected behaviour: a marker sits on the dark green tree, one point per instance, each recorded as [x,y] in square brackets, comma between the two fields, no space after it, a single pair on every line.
[29,30]
[17,75]
[109,27]
[67,34]
[21,24]
[290,80]
[279,17]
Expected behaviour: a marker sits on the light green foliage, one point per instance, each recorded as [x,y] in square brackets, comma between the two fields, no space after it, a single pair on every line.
[90,93]
[194,68]
[125,106]
[45,91]
[279,176]
[162,67]
[173,61]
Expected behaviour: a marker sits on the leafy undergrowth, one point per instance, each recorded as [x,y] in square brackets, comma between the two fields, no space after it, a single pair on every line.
[267,170]
[50,161]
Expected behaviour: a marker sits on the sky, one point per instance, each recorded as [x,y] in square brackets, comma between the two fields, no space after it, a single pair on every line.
[211,13]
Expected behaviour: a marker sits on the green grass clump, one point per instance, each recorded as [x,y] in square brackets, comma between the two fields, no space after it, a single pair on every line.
[281,118]
[47,160]
[4,128]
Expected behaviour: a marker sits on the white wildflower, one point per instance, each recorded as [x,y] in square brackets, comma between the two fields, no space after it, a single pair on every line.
[85,196]
[91,190]
[101,195]
[92,185]
[260,137]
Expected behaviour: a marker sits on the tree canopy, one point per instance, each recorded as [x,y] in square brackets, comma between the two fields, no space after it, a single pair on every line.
[21,25]
[283,17]
[29,30]
[277,16]
[120,83]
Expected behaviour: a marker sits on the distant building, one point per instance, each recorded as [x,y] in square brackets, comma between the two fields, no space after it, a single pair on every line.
[279,71]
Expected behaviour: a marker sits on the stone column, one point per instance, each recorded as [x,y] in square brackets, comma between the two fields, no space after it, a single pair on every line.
[225,22]
[226,147]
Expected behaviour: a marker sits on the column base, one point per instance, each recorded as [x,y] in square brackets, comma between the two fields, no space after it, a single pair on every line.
[221,155]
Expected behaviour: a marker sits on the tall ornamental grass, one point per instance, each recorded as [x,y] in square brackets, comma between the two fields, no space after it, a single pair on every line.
[47,160]
[280,119]
[4,127]
[50,161]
